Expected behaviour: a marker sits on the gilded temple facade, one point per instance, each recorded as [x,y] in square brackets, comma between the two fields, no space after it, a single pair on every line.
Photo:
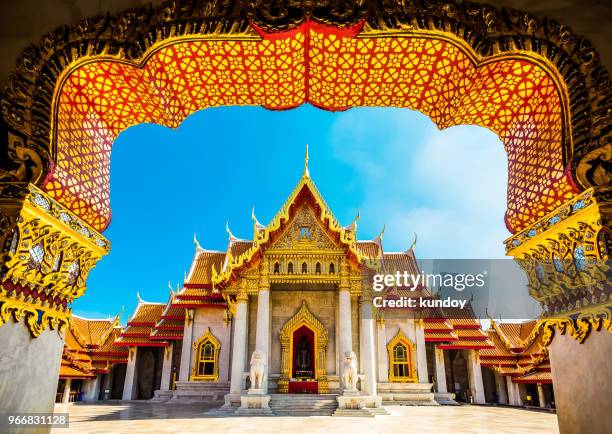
[298,293]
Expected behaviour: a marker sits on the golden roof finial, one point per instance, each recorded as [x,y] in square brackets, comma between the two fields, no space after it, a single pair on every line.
[138,297]
[195,241]
[229,233]
[306,171]
[258,226]
[382,232]
[413,245]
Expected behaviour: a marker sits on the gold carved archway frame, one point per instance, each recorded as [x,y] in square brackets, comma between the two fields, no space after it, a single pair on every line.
[303,317]
[532,81]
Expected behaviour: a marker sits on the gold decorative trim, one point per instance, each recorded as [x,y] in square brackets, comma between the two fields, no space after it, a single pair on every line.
[206,337]
[36,318]
[63,247]
[566,254]
[262,236]
[400,338]
[306,318]
[579,326]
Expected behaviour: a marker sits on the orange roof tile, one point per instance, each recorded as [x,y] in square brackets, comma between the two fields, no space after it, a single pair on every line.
[147,313]
[201,267]
[369,249]
[71,371]
[534,377]
[93,331]
[238,247]
[404,261]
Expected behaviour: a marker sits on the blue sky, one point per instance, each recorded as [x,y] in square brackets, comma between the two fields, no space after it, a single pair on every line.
[393,165]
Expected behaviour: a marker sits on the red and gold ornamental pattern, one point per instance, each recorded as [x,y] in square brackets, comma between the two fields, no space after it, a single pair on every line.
[513,96]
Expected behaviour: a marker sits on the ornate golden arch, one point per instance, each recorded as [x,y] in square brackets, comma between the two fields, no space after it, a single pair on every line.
[400,338]
[303,317]
[206,337]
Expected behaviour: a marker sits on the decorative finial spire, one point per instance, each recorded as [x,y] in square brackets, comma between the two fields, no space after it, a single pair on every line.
[229,233]
[138,297]
[306,172]
[195,241]
[382,232]
[258,226]
[413,245]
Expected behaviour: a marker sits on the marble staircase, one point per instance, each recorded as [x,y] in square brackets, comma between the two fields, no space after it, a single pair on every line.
[198,391]
[303,404]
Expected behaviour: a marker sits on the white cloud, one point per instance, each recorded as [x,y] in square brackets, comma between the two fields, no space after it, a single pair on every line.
[447,186]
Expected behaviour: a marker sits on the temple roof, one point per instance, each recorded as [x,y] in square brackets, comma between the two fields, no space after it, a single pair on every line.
[89,347]
[240,253]
[171,322]
[142,324]
[455,329]
[518,351]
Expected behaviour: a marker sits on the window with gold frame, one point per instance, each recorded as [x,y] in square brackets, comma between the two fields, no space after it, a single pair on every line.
[401,353]
[206,358]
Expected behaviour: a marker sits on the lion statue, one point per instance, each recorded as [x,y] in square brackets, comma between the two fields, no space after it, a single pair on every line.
[258,369]
[349,371]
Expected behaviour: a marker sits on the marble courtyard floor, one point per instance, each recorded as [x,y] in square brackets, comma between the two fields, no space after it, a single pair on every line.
[145,417]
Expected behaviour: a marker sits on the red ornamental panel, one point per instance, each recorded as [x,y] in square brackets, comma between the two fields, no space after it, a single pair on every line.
[515,98]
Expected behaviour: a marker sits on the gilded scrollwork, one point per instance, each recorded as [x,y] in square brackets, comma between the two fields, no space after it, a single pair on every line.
[566,254]
[46,261]
[578,326]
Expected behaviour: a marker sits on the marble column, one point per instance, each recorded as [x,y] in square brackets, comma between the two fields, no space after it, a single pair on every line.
[345,327]
[382,356]
[262,333]
[440,371]
[107,384]
[541,396]
[421,351]
[367,347]
[511,391]
[66,395]
[167,367]
[91,389]
[185,367]
[129,386]
[475,374]
[500,386]
[521,393]
[239,347]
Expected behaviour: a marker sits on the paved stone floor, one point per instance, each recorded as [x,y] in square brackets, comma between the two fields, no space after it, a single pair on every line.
[145,417]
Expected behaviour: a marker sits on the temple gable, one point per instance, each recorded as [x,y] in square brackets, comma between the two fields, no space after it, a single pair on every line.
[305,231]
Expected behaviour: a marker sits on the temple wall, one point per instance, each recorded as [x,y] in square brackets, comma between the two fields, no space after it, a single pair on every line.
[323,304]
[29,370]
[213,318]
[582,380]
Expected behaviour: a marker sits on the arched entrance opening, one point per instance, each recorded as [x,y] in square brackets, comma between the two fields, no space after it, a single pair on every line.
[303,341]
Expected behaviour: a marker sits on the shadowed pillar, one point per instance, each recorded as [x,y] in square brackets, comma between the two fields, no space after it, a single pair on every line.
[166,368]
[502,396]
[367,350]
[129,387]
[440,371]
[475,373]
[239,348]
[186,348]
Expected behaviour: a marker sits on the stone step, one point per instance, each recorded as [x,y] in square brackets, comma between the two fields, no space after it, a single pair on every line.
[303,405]
[344,412]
